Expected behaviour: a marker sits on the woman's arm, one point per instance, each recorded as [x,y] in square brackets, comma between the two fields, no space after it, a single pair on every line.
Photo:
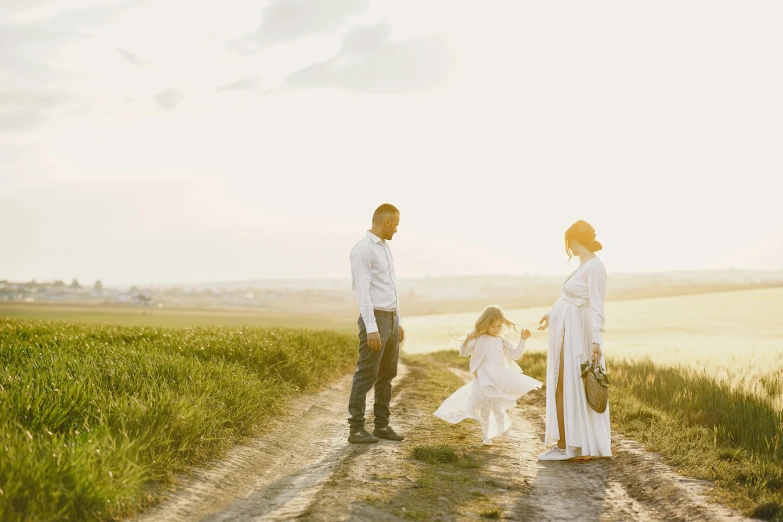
[596,286]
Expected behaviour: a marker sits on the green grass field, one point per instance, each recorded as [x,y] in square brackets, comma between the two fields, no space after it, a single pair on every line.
[737,331]
[91,415]
[174,317]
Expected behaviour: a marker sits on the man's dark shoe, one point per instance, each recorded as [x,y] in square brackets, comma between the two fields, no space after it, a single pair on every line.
[361,437]
[387,433]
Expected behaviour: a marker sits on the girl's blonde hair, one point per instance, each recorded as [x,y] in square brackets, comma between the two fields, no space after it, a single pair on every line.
[487,317]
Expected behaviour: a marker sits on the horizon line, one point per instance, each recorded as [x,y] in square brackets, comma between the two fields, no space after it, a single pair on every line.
[774,272]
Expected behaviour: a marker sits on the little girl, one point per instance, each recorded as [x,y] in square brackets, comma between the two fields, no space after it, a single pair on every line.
[498,381]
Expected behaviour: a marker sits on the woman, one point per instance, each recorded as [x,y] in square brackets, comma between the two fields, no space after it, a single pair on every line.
[577,324]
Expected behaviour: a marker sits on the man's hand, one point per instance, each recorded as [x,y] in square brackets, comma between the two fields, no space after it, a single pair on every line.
[374,341]
[402,334]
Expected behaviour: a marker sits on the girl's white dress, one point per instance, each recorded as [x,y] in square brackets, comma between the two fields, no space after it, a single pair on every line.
[497,383]
[575,322]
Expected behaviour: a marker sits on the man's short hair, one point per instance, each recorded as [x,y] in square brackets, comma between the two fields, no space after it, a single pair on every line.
[383,212]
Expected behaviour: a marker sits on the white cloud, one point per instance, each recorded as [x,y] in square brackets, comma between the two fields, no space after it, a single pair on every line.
[130,57]
[370,62]
[245,84]
[169,98]
[287,20]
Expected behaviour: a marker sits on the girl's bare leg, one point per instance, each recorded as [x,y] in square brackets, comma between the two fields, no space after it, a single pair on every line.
[485,409]
[559,402]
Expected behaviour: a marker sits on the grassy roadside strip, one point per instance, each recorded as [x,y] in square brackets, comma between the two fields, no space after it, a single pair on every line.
[704,428]
[93,417]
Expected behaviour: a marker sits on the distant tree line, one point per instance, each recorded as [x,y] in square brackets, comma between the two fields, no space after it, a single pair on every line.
[98,286]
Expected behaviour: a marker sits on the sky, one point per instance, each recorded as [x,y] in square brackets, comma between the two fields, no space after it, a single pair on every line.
[180,141]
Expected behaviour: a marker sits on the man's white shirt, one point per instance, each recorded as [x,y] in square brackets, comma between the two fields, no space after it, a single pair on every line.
[373,279]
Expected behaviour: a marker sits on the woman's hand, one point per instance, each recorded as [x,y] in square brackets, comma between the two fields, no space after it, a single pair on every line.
[543,324]
[597,353]
[525,334]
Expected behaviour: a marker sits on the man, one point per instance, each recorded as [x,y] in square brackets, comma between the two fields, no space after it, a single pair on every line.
[380,333]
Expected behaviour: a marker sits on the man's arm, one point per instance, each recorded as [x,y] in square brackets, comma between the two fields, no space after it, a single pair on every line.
[361,261]
[399,319]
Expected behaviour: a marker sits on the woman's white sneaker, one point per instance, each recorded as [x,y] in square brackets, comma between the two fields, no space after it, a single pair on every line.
[506,437]
[553,453]
[487,442]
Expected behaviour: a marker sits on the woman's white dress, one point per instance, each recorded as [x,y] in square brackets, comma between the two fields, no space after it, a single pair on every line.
[575,322]
[497,383]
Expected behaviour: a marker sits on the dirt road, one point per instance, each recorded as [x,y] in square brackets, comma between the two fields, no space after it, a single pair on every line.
[303,469]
